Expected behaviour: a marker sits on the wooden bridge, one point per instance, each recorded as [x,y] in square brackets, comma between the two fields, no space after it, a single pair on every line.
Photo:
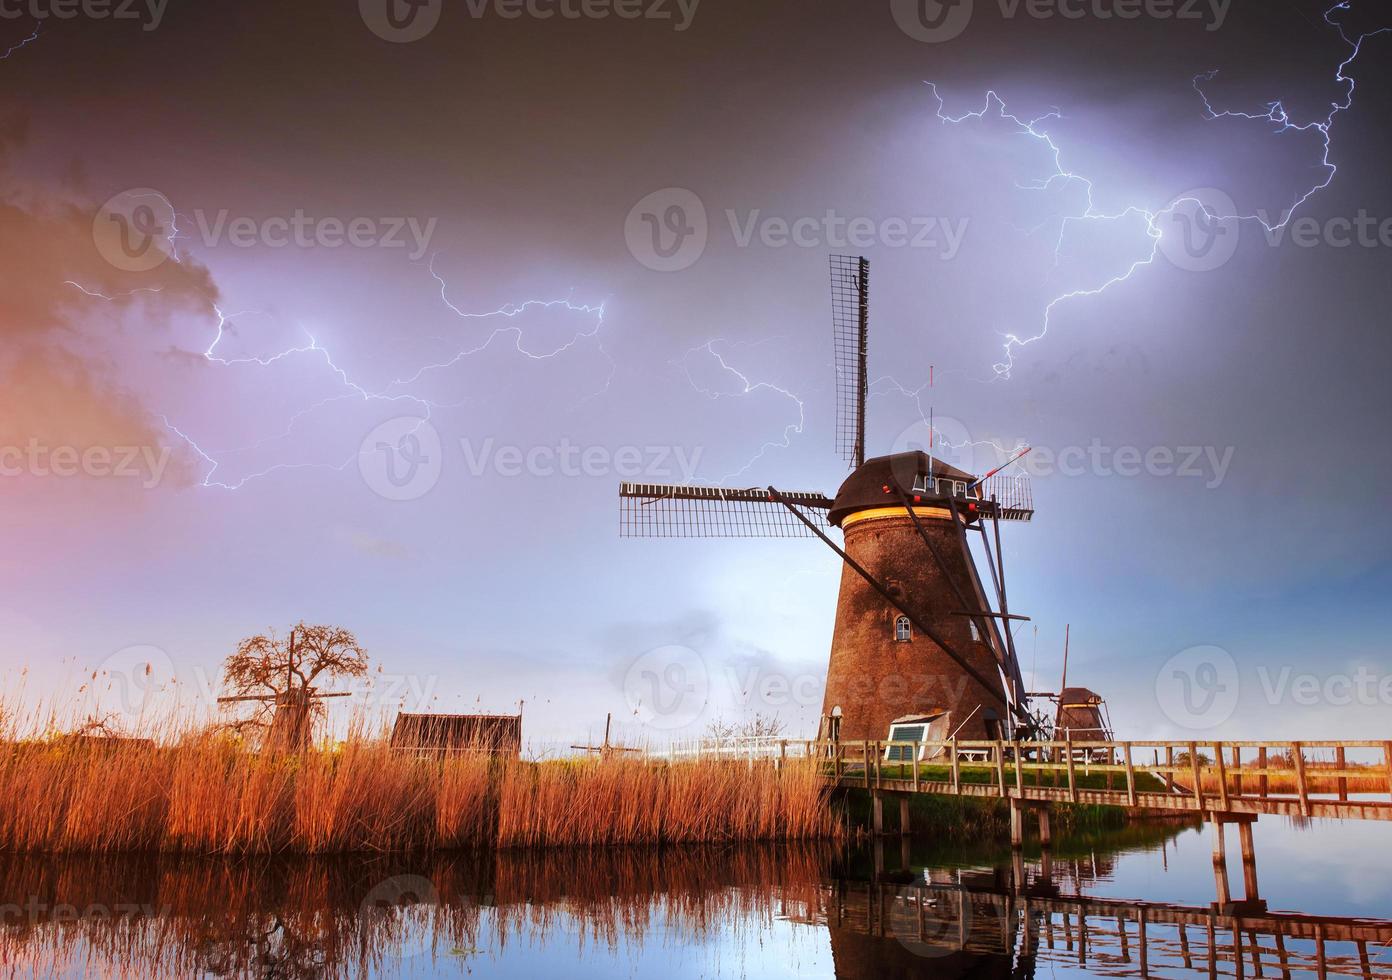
[1019,921]
[1221,782]
[1209,779]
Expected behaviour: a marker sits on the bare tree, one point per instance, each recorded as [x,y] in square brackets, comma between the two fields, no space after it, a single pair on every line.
[719,731]
[762,726]
[278,677]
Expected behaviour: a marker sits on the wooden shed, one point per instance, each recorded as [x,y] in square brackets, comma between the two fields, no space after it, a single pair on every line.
[433,734]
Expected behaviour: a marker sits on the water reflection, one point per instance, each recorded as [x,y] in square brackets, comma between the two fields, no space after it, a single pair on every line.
[748,911]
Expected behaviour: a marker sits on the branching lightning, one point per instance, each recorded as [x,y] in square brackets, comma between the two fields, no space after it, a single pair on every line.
[23,42]
[888,385]
[747,387]
[1274,112]
[393,391]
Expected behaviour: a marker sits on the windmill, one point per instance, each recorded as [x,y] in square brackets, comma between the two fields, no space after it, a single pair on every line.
[915,634]
[293,708]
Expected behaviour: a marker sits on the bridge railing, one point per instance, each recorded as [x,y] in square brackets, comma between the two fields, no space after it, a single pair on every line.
[1212,775]
[1118,936]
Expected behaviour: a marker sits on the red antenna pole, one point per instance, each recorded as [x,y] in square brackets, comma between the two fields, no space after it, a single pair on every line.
[1013,459]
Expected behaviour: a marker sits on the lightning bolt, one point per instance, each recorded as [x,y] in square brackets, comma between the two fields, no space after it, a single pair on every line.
[748,387]
[395,391]
[1274,113]
[38,26]
[938,436]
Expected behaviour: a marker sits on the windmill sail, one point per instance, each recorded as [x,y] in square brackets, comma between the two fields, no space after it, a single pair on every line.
[663,510]
[850,320]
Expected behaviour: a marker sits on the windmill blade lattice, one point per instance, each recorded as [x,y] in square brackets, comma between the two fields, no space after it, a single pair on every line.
[660,510]
[850,320]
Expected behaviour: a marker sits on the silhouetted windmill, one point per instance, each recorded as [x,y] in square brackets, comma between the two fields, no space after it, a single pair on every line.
[915,634]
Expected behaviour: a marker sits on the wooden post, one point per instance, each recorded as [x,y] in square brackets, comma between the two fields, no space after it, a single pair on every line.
[1263,783]
[1237,770]
[1019,774]
[1197,775]
[1249,861]
[956,767]
[879,759]
[865,758]
[1141,940]
[1340,762]
[877,812]
[914,751]
[1222,775]
[1169,767]
[1387,764]
[782,753]
[1017,824]
[1000,767]
[1130,776]
[904,816]
[1298,760]
[1072,775]
[1220,864]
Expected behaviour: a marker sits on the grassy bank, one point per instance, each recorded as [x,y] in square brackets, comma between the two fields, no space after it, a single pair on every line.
[209,795]
[969,819]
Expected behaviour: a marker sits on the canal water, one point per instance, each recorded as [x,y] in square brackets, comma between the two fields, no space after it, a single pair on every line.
[719,912]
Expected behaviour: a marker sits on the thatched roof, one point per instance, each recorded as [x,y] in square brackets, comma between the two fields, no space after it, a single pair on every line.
[439,733]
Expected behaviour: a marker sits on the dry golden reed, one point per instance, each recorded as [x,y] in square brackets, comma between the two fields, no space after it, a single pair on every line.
[210,795]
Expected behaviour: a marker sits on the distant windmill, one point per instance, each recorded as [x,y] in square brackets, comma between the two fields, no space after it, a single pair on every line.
[606,749]
[915,634]
[292,720]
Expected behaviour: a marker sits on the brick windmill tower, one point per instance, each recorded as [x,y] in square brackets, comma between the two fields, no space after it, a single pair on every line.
[916,639]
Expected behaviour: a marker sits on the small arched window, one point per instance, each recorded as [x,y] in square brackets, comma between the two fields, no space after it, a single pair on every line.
[975,631]
[903,632]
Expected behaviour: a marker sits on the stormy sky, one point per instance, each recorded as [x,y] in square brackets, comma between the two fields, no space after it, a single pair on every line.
[451,229]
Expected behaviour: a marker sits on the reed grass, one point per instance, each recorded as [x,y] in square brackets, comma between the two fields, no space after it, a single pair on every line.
[150,915]
[210,795]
